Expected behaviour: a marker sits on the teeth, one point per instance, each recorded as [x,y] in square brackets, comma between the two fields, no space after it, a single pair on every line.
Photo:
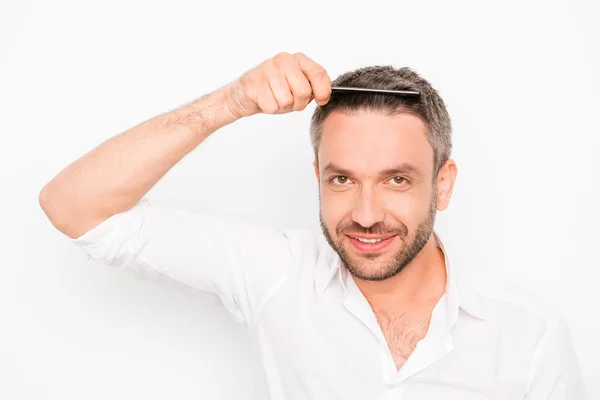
[369,240]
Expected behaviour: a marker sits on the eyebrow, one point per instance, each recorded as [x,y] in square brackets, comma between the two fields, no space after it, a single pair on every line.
[401,169]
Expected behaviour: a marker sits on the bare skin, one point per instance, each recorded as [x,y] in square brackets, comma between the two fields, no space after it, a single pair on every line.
[114,176]
[403,331]
[403,327]
[361,200]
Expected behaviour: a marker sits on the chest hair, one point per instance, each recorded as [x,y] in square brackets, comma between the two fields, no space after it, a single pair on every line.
[402,331]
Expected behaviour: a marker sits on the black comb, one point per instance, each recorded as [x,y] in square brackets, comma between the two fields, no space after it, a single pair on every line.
[344,89]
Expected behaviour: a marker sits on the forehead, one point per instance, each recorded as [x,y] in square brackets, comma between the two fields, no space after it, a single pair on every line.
[367,143]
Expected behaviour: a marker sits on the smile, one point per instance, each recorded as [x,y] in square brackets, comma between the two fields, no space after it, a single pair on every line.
[374,245]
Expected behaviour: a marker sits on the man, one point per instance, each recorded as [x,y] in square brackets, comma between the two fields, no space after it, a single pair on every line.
[373,308]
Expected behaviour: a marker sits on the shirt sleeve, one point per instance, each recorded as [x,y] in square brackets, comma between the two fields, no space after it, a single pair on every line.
[555,372]
[234,259]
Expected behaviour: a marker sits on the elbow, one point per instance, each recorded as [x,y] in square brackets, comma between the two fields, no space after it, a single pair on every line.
[45,200]
[62,214]
[49,203]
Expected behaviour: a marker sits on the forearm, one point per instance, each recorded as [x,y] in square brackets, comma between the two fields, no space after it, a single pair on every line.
[114,176]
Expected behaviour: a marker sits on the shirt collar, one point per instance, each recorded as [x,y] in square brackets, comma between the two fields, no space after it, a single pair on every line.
[459,289]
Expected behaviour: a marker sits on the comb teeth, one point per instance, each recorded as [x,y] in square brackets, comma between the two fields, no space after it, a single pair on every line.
[369,90]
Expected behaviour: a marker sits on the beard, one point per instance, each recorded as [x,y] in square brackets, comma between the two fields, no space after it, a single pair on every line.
[367,267]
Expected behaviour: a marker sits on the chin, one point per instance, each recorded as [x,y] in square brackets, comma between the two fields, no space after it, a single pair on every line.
[371,275]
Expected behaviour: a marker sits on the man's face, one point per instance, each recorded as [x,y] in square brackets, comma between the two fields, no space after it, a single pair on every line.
[358,197]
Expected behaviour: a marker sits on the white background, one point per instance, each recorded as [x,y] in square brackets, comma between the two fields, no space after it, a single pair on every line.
[520,79]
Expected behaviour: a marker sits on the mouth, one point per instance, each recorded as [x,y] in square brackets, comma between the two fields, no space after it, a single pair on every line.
[371,245]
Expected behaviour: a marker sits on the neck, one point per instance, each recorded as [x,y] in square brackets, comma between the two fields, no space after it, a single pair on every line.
[420,283]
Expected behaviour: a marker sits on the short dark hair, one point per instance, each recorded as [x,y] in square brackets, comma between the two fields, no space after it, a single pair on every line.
[429,106]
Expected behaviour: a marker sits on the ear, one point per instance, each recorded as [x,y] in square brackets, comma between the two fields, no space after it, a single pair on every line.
[445,184]
[316,170]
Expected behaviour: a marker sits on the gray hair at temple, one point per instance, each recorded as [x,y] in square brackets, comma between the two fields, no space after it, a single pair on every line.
[429,106]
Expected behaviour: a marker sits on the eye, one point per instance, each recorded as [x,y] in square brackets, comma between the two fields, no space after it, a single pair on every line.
[401,178]
[342,180]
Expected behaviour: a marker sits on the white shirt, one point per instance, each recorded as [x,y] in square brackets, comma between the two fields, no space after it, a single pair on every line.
[317,336]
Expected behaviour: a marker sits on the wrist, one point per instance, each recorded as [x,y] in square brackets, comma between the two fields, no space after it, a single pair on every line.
[214,108]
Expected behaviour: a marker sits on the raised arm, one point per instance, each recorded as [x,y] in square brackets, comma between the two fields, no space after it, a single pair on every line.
[98,201]
[114,176]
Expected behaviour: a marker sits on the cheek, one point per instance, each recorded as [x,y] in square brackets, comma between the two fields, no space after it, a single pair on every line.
[410,210]
[332,212]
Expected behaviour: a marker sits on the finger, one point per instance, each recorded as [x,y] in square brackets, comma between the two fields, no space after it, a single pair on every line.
[317,76]
[265,99]
[279,86]
[297,81]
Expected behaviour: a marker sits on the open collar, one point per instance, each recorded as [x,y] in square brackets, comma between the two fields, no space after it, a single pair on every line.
[459,288]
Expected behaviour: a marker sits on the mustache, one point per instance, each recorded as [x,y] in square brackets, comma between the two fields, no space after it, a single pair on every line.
[375,231]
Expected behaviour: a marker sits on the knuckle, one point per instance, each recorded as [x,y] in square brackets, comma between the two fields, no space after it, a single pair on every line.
[270,108]
[280,57]
[299,54]
[287,102]
[320,73]
[304,93]
[268,65]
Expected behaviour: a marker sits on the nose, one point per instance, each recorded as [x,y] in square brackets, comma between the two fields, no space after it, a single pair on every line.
[368,209]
